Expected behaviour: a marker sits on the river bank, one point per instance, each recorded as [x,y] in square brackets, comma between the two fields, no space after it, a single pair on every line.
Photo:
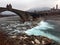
[24,39]
[13,27]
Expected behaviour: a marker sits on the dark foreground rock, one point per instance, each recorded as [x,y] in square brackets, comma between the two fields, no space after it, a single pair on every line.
[23,39]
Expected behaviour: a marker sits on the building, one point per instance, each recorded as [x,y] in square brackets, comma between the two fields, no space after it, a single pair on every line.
[9,6]
[57,6]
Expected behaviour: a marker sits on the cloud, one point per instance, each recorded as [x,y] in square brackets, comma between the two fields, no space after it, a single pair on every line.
[27,4]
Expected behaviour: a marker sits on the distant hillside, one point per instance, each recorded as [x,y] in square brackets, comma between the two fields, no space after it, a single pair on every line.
[38,9]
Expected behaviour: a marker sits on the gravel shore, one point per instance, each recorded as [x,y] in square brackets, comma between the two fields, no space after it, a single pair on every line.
[23,39]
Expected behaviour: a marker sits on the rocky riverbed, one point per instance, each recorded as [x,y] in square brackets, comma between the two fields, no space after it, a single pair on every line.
[13,28]
[23,39]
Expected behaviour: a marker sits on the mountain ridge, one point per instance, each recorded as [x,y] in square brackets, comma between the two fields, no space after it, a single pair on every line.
[39,9]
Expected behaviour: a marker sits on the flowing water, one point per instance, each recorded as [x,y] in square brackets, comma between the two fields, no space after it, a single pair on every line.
[48,28]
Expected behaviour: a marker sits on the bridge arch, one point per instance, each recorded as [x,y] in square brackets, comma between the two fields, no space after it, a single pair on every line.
[18,12]
[8,13]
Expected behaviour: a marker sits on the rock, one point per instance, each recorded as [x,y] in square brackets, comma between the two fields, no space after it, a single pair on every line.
[46,41]
[24,44]
[24,39]
[37,41]
[32,42]
[12,36]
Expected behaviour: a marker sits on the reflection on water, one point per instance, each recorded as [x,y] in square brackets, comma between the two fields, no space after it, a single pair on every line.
[47,29]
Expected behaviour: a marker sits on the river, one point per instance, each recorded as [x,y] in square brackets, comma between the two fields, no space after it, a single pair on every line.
[48,28]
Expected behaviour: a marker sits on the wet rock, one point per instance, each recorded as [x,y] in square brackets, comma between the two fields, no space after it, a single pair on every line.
[12,36]
[31,40]
[3,37]
[37,41]
[23,39]
[46,41]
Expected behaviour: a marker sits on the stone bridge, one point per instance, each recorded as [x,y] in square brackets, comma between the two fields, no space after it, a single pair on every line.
[22,14]
[26,16]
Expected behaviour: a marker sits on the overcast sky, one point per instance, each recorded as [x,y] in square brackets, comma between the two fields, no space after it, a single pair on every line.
[27,4]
